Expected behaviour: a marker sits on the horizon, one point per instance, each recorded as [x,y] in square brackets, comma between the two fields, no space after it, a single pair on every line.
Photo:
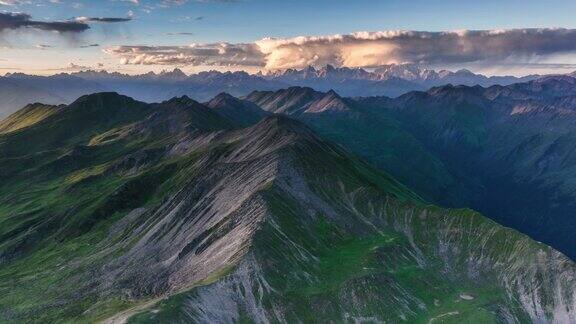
[138,36]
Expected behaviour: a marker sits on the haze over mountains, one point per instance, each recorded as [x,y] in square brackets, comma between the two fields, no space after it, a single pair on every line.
[393,80]
[221,212]
[389,80]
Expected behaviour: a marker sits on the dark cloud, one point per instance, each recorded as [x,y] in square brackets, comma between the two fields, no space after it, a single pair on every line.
[13,21]
[180,34]
[102,19]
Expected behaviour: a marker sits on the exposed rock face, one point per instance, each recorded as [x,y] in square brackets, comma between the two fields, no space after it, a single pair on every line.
[326,246]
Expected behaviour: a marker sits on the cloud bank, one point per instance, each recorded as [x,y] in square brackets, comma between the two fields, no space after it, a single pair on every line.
[220,54]
[364,49]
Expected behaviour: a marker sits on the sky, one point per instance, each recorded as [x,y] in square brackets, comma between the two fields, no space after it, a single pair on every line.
[136,36]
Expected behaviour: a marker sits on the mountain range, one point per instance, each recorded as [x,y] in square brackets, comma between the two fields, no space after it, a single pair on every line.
[119,201]
[389,80]
[19,89]
[116,210]
[506,151]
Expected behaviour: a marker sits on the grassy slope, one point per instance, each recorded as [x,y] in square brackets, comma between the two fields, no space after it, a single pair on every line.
[59,207]
[377,137]
[381,260]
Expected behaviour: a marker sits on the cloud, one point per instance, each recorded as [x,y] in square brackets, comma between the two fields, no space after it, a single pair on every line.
[180,34]
[101,19]
[169,3]
[71,67]
[13,21]
[11,2]
[76,67]
[220,54]
[22,24]
[365,49]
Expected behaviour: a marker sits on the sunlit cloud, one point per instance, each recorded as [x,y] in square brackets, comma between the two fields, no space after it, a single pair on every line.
[365,49]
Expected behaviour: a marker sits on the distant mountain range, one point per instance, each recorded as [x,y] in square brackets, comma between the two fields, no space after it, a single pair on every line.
[18,90]
[116,210]
[22,89]
[393,80]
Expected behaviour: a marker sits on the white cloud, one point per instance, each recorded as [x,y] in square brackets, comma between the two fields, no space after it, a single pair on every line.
[366,49]
[9,2]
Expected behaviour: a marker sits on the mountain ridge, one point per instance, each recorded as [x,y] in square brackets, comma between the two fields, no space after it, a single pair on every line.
[454,145]
[393,80]
[147,217]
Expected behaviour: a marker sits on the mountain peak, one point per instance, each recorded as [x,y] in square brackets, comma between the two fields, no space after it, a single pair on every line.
[289,101]
[332,93]
[242,112]
[330,102]
[310,68]
[224,96]
[221,99]
[464,72]
[329,67]
[102,98]
[407,71]
[175,74]
[184,99]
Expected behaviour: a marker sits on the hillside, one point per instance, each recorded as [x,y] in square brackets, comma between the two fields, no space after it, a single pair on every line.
[120,210]
[506,151]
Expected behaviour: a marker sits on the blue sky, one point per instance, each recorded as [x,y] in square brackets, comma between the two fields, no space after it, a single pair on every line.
[160,22]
